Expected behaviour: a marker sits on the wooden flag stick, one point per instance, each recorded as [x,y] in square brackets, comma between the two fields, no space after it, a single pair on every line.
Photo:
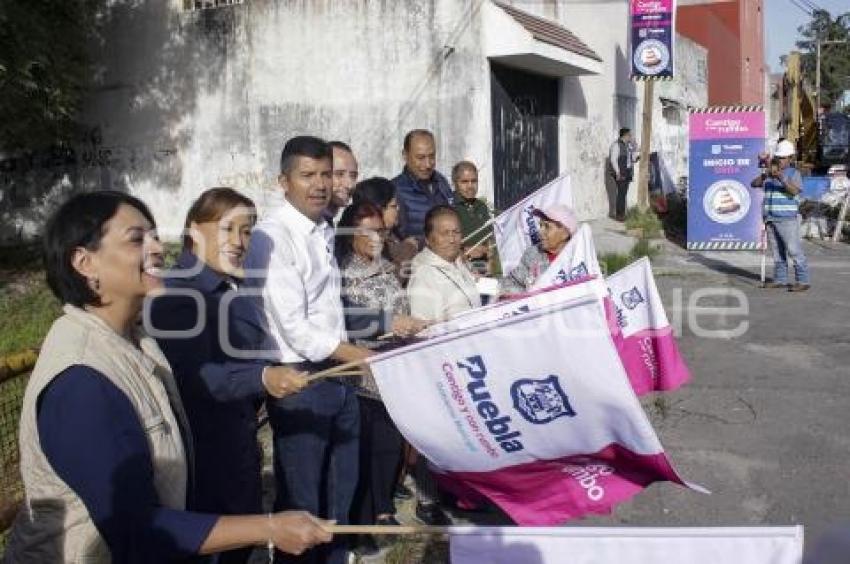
[349,373]
[387,530]
[487,224]
[346,367]
[476,245]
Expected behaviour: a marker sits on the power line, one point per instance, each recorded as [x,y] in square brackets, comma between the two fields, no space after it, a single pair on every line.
[801,8]
[812,5]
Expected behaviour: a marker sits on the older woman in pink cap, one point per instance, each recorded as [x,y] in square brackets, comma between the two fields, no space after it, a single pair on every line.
[558,224]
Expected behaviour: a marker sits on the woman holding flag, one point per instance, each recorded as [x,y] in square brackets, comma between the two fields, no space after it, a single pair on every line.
[558,224]
[376,304]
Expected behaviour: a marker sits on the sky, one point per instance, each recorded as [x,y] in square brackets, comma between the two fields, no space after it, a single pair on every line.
[781,19]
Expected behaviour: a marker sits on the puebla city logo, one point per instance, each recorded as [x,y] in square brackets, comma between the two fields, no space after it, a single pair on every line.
[541,401]
[632,298]
[579,271]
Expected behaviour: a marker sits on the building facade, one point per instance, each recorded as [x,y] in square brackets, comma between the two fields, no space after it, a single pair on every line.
[195,95]
[733,33]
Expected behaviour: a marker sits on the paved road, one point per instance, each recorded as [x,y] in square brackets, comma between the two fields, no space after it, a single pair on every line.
[765,423]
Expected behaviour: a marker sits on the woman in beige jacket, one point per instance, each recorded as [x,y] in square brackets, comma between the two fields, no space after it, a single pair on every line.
[105,447]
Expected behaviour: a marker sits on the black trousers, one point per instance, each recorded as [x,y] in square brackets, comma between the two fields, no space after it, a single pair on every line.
[380,462]
[622,191]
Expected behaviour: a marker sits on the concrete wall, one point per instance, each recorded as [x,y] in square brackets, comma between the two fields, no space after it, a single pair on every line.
[733,32]
[670,124]
[186,101]
[190,100]
[588,103]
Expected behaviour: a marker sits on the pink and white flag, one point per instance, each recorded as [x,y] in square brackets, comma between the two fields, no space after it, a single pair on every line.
[626,545]
[516,228]
[636,319]
[645,342]
[546,427]
[577,260]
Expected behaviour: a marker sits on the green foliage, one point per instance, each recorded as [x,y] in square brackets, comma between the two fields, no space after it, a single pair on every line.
[612,262]
[44,69]
[646,220]
[27,308]
[835,58]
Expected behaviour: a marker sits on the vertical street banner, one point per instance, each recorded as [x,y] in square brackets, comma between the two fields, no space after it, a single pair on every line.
[724,212]
[652,39]
[532,411]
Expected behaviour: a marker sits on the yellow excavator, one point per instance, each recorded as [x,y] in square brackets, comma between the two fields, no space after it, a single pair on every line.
[821,140]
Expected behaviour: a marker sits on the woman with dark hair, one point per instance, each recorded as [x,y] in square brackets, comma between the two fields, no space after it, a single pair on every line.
[105,456]
[382,193]
[375,304]
[221,394]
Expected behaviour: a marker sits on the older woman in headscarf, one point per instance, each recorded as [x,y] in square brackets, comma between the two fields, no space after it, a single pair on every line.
[558,224]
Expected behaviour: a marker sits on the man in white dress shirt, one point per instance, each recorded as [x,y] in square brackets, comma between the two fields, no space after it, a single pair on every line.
[316,431]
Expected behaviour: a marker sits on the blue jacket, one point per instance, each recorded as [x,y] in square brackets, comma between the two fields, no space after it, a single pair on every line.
[221,394]
[414,201]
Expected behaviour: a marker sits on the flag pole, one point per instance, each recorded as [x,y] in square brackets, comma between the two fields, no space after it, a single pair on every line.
[390,529]
[763,245]
[345,368]
[487,224]
[476,245]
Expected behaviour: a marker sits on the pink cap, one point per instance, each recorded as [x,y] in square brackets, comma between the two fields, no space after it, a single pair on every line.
[562,214]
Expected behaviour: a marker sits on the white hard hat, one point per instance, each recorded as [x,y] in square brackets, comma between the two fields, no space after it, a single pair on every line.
[784,149]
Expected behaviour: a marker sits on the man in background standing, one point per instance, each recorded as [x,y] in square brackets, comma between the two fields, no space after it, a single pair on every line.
[622,163]
[782,184]
[345,173]
[419,186]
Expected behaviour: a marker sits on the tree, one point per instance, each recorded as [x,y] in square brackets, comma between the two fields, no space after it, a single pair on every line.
[44,69]
[835,59]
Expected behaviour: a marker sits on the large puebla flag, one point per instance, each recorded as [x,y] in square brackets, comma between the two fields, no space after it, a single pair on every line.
[645,342]
[547,428]
[516,228]
[577,260]
[637,323]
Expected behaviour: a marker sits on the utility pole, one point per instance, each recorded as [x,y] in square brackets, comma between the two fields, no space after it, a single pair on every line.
[645,140]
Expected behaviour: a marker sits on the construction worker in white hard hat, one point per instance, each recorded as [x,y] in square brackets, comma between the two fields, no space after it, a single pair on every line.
[782,185]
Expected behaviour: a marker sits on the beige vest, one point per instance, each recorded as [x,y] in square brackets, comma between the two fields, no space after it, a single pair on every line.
[54,525]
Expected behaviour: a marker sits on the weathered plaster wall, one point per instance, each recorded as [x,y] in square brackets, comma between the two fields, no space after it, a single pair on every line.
[186,101]
[670,126]
[589,120]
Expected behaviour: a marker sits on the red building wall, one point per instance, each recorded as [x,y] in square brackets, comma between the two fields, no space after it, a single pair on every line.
[733,33]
